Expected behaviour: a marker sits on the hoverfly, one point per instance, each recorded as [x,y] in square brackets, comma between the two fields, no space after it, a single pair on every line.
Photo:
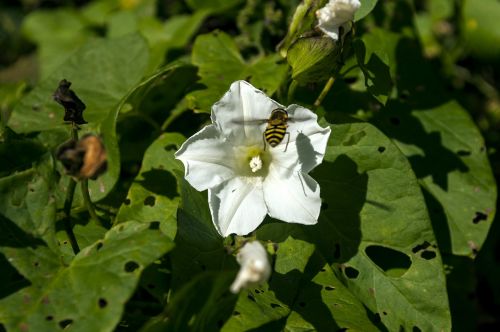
[276,128]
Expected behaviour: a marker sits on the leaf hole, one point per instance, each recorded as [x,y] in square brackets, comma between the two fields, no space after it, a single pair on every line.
[65,242]
[257,291]
[275,305]
[395,120]
[394,263]
[419,247]
[155,225]
[479,217]
[251,298]
[99,246]
[428,254]
[49,318]
[64,323]
[463,153]
[102,303]
[170,147]
[126,201]
[384,313]
[131,266]
[150,200]
[36,264]
[381,149]
[329,288]
[351,272]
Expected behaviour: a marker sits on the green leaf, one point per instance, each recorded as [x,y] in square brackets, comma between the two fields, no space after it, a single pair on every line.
[56,44]
[153,195]
[29,201]
[448,155]
[375,223]
[121,63]
[365,9]
[220,63]
[90,293]
[376,57]
[303,292]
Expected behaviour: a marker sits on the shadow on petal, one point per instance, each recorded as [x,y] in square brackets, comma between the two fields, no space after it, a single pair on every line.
[308,156]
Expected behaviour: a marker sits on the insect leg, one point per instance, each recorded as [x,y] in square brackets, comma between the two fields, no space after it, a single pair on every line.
[288,141]
[264,140]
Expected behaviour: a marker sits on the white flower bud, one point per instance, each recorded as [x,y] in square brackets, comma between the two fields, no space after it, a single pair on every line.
[255,267]
[336,14]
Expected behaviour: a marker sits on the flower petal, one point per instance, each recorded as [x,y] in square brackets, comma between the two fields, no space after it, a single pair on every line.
[237,206]
[307,144]
[205,159]
[236,113]
[295,199]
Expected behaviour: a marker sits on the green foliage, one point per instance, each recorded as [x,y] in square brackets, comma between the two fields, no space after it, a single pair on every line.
[406,238]
[220,63]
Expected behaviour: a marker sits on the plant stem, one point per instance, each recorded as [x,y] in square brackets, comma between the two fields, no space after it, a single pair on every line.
[88,202]
[324,92]
[291,91]
[70,193]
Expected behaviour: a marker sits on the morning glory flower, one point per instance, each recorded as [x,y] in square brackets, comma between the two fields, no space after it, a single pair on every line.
[246,177]
[336,14]
[255,267]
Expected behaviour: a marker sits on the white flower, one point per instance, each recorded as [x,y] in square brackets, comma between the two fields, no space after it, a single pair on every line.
[255,267]
[336,14]
[246,178]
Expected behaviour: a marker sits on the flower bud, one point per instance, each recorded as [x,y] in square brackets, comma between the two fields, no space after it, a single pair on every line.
[83,159]
[255,267]
[313,59]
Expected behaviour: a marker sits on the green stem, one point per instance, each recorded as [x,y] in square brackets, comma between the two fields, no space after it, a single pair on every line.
[323,93]
[88,202]
[291,91]
[70,193]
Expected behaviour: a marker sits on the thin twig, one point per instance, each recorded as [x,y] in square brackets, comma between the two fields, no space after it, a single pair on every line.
[323,93]
[88,202]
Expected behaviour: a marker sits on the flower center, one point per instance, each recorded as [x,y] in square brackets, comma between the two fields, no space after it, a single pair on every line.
[255,164]
[253,161]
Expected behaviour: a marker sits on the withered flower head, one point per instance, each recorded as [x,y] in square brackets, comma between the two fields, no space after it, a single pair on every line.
[73,106]
[83,159]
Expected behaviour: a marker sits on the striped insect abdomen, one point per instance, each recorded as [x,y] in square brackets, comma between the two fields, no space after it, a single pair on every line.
[274,134]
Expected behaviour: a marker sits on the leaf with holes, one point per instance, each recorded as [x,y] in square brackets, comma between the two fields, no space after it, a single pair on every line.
[29,201]
[374,226]
[153,195]
[220,63]
[448,155]
[88,294]
[302,294]
[121,63]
